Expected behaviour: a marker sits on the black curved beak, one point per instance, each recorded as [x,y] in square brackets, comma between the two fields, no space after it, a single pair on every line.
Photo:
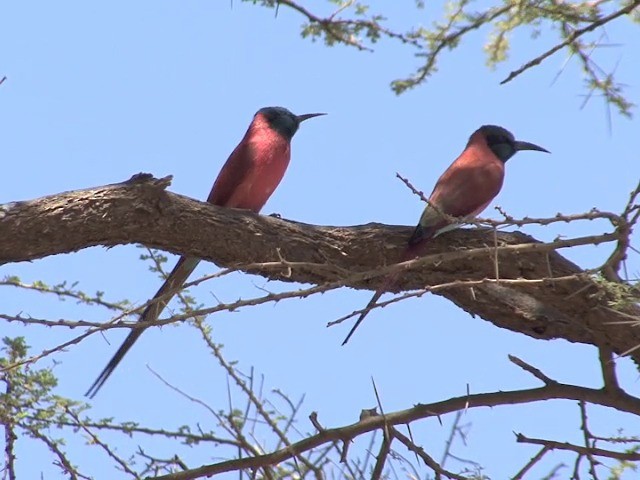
[529,146]
[307,116]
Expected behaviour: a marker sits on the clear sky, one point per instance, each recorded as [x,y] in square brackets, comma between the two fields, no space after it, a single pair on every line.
[98,91]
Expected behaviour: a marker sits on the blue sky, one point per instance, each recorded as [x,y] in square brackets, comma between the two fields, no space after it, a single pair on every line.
[99,91]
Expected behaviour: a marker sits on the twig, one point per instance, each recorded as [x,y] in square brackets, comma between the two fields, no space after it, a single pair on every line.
[10,436]
[621,401]
[535,459]
[328,26]
[446,41]
[570,39]
[452,434]
[593,463]
[381,459]
[62,292]
[426,458]
[63,462]
[532,370]
[231,372]
[598,452]
[153,461]
[95,440]
[460,284]
[627,220]
[128,429]
[608,366]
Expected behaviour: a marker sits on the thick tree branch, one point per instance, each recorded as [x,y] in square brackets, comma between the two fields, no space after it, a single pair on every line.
[141,211]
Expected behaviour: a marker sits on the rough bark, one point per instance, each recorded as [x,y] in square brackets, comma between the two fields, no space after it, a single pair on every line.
[142,211]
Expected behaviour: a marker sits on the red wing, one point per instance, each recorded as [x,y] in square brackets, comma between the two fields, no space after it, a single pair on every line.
[466,189]
[233,173]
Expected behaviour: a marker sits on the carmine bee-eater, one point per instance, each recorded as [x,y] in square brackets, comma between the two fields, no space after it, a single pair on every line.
[248,178]
[464,190]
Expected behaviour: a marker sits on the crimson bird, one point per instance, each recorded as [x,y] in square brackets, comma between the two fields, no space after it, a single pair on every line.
[463,191]
[248,178]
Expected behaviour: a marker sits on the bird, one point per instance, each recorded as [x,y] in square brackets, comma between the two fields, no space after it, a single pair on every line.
[247,179]
[461,193]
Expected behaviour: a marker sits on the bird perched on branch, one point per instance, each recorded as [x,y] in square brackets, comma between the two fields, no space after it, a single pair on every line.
[463,191]
[248,178]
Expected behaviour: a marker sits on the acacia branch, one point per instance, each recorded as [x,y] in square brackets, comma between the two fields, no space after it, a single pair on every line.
[622,402]
[586,451]
[96,440]
[535,459]
[572,38]
[426,458]
[10,436]
[141,211]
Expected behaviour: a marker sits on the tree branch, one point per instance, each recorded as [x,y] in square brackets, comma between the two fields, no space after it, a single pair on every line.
[572,38]
[586,451]
[622,402]
[141,211]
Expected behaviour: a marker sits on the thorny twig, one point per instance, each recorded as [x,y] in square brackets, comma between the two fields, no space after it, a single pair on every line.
[459,284]
[570,39]
[95,440]
[429,461]
[535,459]
[551,390]
[626,222]
[587,440]
[257,404]
[598,452]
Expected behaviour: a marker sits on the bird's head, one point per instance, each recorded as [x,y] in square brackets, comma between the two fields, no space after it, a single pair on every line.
[502,142]
[283,121]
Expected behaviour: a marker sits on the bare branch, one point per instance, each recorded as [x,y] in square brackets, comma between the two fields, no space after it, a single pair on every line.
[626,223]
[95,440]
[426,458]
[593,463]
[622,402]
[598,452]
[381,459]
[535,459]
[532,370]
[10,436]
[608,365]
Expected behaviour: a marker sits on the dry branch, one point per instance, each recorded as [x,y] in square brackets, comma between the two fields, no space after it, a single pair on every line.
[587,451]
[555,390]
[141,211]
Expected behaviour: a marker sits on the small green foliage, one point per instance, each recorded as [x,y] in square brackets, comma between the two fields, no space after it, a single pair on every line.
[157,259]
[65,291]
[617,471]
[16,349]
[353,25]
[497,48]
[612,92]
[237,417]
[27,398]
